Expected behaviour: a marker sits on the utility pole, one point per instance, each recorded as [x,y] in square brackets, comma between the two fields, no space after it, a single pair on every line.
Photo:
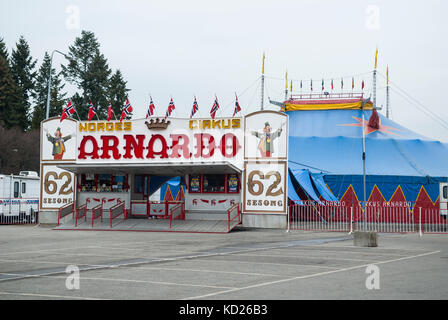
[47,115]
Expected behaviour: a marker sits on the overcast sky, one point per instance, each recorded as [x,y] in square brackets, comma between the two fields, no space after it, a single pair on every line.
[203,48]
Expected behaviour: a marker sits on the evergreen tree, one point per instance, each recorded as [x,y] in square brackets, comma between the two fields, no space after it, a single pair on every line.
[41,93]
[10,98]
[4,50]
[117,92]
[89,71]
[98,84]
[24,74]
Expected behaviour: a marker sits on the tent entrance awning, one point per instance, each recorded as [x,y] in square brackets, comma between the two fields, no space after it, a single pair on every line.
[168,169]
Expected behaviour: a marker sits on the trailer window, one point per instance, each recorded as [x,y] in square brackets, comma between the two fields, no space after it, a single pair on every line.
[445,192]
[23,187]
[16,189]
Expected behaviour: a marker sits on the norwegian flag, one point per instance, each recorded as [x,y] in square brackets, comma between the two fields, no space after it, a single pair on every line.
[195,108]
[127,109]
[215,108]
[151,108]
[68,111]
[237,106]
[110,112]
[170,109]
[92,111]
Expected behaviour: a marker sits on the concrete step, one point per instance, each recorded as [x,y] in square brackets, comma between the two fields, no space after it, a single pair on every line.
[206,215]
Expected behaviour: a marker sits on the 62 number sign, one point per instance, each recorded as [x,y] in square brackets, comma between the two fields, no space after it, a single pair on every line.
[57,187]
[272,191]
[51,186]
[264,187]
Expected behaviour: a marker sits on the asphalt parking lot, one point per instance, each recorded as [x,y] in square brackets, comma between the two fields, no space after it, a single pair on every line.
[241,265]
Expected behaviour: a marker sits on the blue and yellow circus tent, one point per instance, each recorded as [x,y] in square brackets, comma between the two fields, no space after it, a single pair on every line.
[326,145]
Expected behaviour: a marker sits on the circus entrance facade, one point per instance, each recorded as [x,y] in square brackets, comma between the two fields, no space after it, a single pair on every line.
[102,175]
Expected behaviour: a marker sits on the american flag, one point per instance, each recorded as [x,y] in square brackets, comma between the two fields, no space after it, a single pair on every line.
[215,108]
[151,108]
[195,108]
[127,109]
[68,111]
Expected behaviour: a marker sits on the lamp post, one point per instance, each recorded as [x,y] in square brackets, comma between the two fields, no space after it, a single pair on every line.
[47,115]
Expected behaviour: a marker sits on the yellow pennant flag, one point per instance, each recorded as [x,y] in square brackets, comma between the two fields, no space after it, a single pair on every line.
[387,75]
[262,68]
[286,80]
[290,88]
[376,58]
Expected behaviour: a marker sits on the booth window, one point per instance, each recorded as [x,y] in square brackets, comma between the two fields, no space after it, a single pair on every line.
[445,192]
[23,187]
[118,183]
[88,183]
[214,183]
[103,183]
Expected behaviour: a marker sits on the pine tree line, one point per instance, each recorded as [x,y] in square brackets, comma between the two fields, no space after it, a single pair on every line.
[24,85]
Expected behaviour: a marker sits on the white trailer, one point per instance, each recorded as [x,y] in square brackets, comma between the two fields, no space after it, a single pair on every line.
[19,197]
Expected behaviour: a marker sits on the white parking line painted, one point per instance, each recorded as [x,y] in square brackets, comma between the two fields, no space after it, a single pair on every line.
[306,257]
[207,271]
[306,276]
[338,252]
[43,250]
[52,262]
[47,296]
[130,281]
[271,263]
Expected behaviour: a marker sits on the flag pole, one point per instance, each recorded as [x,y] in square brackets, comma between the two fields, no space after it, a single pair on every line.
[387,93]
[286,85]
[79,118]
[262,85]
[374,78]
[364,165]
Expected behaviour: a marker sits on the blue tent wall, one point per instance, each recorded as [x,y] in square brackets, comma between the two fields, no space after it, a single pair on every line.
[329,142]
[387,185]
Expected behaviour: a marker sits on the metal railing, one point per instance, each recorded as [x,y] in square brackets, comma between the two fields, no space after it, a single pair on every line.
[401,217]
[97,212]
[81,212]
[319,96]
[31,217]
[19,210]
[65,211]
[116,211]
[233,216]
[177,212]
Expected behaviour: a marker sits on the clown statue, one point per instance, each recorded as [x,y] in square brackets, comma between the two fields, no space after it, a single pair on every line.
[58,143]
[266,146]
